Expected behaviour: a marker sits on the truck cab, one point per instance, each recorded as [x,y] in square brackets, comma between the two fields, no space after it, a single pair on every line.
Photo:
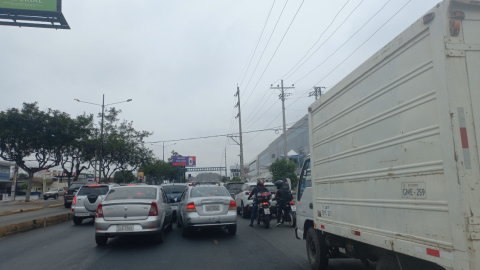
[304,200]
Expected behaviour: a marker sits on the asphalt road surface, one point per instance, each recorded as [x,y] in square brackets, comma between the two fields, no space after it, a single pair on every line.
[73,247]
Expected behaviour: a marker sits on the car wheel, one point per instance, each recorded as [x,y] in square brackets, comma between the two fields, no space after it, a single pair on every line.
[77,221]
[45,198]
[292,222]
[178,222]
[67,205]
[387,263]
[56,197]
[238,210]
[185,231]
[244,211]
[232,230]
[317,250]
[169,227]
[101,240]
[159,237]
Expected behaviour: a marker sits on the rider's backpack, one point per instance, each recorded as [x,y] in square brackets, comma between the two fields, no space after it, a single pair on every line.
[288,195]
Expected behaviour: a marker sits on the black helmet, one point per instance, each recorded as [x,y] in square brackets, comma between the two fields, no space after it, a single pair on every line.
[279,183]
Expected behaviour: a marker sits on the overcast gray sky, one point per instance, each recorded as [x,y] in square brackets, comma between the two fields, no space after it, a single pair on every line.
[180,62]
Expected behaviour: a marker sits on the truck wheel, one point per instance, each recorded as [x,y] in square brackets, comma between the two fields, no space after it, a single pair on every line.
[387,263]
[244,211]
[317,250]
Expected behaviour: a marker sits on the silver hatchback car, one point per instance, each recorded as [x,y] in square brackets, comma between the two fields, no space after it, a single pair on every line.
[133,210]
[86,201]
[206,206]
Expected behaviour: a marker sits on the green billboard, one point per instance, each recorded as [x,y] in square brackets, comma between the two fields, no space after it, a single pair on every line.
[41,5]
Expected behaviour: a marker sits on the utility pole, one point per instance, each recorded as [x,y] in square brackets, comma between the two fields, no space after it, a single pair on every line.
[94,169]
[226,163]
[317,92]
[14,184]
[101,143]
[239,116]
[282,97]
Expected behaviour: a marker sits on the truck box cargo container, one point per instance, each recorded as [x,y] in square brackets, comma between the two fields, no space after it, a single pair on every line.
[394,173]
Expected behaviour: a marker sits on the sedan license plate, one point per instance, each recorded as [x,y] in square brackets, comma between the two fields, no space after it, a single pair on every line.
[124,228]
[267,211]
[82,214]
[211,208]
[294,208]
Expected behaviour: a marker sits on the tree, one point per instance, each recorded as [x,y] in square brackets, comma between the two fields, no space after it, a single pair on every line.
[281,169]
[157,170]
[236,179]
[23,186]
[123,177]
[37,137]
[174,154]
[224,179]
[80,151]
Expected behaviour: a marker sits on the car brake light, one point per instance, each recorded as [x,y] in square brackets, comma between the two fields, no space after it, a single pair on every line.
[233,205]
[66,191]
[191,207]
[99,211]
[153,209]
[292,202]
[94,186]
[74,200]
[265,203]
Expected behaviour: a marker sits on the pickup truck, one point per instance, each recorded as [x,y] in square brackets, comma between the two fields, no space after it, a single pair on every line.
[393,175]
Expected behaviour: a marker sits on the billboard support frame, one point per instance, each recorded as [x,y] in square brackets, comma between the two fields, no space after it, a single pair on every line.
[55,18]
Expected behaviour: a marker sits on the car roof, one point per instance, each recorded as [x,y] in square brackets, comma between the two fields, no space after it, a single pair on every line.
[174,184]
[255,183]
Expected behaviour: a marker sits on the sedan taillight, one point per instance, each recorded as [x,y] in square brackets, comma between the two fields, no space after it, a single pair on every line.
[153,209]
[99,211]
[233,206]
[191,207]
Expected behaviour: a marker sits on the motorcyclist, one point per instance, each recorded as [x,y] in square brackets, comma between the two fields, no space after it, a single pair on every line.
[258,189]
[281,199]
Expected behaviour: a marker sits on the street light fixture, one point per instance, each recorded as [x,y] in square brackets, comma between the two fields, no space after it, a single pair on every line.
[101,128]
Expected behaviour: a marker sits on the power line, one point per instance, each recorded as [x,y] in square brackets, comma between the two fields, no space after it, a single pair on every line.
[273,31]
[365,41]
[321,45]
[371,18]
[258,42]
[328,27]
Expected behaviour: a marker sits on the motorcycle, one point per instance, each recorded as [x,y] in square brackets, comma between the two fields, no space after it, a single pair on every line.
[263,213]
[289,214]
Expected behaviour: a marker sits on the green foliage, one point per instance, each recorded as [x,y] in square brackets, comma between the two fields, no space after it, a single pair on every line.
[22,176]
[23,186]
[157,170]
[123,177]
[224,179]
[236,179]
[281,169]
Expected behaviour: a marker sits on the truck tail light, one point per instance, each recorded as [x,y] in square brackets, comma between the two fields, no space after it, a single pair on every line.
[99,211]
[153,209]
[191,207]
[233,205]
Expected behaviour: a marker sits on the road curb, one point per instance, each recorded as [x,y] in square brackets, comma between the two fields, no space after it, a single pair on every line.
[55,205]
[20,211]
[34,224]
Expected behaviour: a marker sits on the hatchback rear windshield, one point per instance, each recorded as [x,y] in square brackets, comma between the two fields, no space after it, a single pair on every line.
[73,186]
[97,190]
[132,193]
[209,191]
[174,189]
[270,188]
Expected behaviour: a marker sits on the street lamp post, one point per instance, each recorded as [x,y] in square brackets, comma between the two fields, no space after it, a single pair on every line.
[101,130]
[163,148]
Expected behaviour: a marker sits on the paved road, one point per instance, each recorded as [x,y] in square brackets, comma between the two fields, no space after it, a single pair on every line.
[67,245]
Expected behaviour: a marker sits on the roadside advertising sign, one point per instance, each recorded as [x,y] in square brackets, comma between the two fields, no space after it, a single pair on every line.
[140,174]
[41,5]
[187,161]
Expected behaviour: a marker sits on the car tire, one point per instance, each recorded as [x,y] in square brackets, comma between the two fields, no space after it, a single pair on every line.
[169,227]
[77,221]
[45,198]
[101,240]
[244,211]
[67,205]
[232,230]
[178,222]
[317,252]
[55,197]
[238,210]
[159,237]
[387,263]
[185,231]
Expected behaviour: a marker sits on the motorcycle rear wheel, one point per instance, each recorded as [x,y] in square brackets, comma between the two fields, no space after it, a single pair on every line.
[266,221]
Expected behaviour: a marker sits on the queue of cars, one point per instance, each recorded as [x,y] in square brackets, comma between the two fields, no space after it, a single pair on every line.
[151,210]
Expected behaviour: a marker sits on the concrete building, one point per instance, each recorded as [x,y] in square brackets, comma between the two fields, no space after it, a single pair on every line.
[297,149]
[5,181]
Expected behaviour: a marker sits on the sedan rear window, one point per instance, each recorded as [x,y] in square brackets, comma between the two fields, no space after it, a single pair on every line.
[74,186]
[209,191]
[174,189]
[132,193]
[97,190]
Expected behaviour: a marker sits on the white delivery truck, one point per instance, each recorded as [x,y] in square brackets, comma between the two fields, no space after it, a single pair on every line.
[394,175]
